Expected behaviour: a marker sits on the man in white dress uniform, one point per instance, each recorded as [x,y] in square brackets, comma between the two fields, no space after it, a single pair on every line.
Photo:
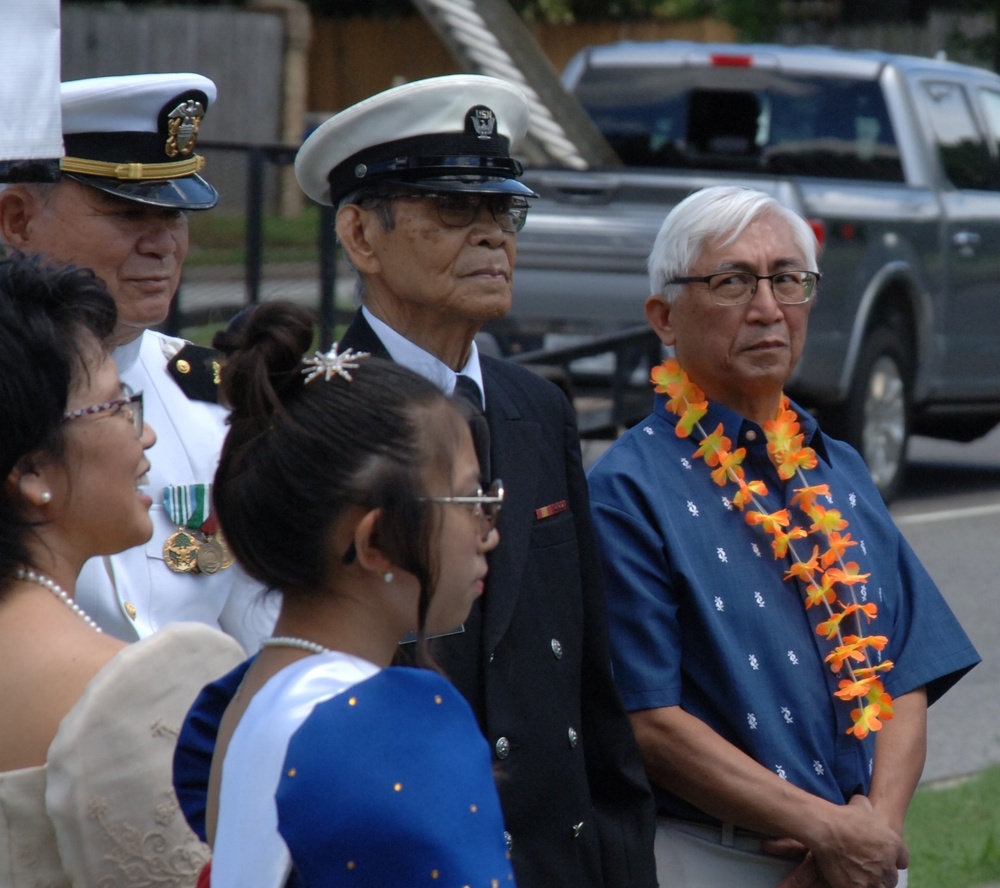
[117,202]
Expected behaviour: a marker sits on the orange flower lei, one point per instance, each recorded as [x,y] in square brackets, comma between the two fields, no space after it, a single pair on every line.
[822,574]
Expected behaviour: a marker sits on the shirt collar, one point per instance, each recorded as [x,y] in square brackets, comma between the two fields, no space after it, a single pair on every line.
[126,355]
[404,352]
[736,426]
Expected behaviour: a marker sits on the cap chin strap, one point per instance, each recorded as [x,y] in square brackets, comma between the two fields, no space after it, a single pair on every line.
[133,171]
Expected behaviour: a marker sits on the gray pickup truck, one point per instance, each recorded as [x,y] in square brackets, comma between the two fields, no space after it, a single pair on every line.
[895,162]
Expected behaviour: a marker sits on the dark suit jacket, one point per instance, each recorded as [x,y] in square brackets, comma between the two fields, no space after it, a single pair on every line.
[535,664]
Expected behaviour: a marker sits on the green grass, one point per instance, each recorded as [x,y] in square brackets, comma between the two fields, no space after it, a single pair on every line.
[203,335]
[220,239]
[953,833]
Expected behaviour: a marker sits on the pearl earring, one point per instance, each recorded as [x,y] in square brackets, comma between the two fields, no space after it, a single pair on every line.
[387,576]
[46,496]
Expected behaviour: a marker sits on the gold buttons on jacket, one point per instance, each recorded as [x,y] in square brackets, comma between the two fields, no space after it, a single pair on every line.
[502,747]
[130,610]
[183,366]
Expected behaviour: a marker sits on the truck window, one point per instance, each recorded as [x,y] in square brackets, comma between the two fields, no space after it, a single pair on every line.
[991,109]
[742,118]
[965,158]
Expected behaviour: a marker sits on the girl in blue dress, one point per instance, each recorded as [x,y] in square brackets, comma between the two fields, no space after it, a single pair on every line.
[350,486]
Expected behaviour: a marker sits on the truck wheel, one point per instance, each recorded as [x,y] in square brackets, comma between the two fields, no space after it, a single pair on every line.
[875,419]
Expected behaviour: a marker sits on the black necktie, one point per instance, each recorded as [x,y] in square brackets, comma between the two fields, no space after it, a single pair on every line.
[468,390]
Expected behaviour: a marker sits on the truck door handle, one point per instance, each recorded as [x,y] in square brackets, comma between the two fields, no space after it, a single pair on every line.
[585,195]
[966,242]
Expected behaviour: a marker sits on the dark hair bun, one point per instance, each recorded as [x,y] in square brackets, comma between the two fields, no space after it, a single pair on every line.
[264,348]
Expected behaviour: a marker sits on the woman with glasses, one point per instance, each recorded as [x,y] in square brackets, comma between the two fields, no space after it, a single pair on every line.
[351,486]
[87,723]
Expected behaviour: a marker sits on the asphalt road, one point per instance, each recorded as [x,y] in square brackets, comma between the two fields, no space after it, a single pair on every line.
[949,512]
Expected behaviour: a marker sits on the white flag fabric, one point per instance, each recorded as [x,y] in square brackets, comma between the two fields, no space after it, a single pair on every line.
[30,119]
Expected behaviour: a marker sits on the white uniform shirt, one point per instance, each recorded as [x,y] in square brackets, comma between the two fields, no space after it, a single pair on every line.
[405,353]
[134,593]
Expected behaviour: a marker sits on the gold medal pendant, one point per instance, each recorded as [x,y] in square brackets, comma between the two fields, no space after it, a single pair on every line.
[227,553]
[210,557]
[180,552]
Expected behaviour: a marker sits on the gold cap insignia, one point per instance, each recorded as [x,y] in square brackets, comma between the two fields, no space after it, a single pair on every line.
[183,124]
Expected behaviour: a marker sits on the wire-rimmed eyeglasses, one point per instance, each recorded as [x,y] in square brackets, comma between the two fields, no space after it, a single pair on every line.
[128,405]
[484,505]
[739,287]
[459,209]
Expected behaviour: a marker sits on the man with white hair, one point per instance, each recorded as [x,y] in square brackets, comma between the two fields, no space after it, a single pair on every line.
[117,203]
[774,638]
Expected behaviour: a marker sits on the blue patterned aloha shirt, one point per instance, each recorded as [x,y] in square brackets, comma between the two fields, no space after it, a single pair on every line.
[701,616]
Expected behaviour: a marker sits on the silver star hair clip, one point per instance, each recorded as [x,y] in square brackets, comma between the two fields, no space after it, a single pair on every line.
[330,364]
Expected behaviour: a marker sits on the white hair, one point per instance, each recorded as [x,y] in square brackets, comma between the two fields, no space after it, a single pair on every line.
[717,213]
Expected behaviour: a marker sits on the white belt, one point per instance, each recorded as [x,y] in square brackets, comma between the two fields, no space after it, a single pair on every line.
[725,834]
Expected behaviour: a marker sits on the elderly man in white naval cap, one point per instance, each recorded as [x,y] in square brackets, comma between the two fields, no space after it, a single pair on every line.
[429,205]
[117,203]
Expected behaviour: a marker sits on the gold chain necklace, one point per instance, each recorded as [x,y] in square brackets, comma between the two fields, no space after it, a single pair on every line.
[827,580]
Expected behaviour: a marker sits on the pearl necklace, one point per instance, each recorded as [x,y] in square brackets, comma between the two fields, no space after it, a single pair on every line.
[30,576]
[292,642]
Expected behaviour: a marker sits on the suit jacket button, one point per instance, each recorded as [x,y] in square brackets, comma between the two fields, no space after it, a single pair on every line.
[572,737]
[577,829]
[508,840]
[557,648]
[503,747]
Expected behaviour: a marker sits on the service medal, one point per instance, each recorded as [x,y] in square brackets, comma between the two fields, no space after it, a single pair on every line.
[180,552]
[227,553]
[216,543]
[210,557]
[188,506]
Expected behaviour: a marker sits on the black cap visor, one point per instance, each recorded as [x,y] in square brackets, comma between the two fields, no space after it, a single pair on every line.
[465,184]
[183,193]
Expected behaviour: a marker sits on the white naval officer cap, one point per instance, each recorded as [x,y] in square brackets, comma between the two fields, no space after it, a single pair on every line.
[452,133]
[134,136]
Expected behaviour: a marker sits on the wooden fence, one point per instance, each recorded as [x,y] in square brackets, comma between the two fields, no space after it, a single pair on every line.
[350,59]
[246,52]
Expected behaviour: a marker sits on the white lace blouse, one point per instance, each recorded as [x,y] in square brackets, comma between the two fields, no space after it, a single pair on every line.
[102,810]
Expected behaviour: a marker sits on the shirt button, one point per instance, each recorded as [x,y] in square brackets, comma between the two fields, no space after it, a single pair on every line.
[572,737]
[502,747]
[557,648]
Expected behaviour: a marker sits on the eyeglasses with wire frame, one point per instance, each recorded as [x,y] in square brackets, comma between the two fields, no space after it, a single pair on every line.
[128,405]
[739,287]
[484,505]
[459,209]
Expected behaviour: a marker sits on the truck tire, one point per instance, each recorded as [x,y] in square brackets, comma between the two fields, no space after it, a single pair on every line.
[875,419]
